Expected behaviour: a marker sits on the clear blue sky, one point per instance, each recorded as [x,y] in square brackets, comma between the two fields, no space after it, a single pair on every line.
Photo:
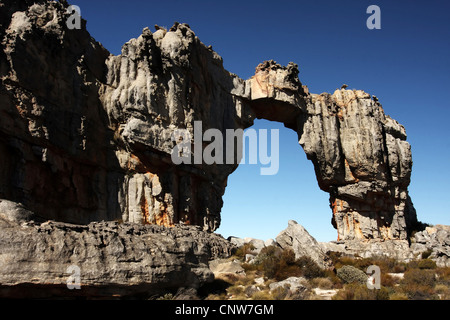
[406,65]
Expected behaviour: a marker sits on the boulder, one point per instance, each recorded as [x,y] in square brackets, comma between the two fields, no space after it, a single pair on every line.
[350,274]
[238,242]
[295,286]
[14,212]
[257,244]
[296,238]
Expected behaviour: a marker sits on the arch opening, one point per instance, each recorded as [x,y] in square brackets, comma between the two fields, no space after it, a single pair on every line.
[259,206]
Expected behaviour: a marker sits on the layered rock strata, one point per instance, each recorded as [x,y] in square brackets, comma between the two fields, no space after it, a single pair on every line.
[87,136]
[38,260]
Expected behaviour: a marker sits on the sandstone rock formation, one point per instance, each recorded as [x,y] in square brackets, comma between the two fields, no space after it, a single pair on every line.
[87,136]
[115,260]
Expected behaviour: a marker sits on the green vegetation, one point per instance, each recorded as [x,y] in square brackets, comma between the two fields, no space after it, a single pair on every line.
[278,264]
[350,274]
[417,280]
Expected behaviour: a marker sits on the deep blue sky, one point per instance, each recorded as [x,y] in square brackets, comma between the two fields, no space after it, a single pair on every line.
[406,65]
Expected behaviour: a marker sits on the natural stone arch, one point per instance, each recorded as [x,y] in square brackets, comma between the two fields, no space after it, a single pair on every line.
[360,155]
[112,160]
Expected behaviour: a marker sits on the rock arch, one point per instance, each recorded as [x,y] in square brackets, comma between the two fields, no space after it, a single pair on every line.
[94,142]
[360,155]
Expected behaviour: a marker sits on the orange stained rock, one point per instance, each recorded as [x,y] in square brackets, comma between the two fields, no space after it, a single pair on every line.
[163,218]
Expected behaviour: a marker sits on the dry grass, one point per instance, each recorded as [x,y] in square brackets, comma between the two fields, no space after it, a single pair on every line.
[422,279]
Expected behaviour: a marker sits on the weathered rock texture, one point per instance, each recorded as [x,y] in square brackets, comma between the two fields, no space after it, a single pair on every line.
[296,238]
[115,260]
[436,241]
[86,136]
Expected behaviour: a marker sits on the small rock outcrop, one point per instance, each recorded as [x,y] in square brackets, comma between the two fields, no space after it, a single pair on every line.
[296,238]
[436,242]
[432,243]
[223,267]
[115,260]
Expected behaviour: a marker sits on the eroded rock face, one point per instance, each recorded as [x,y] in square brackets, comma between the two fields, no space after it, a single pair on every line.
[115,260]
[362,159]
[87,136]
[55,146]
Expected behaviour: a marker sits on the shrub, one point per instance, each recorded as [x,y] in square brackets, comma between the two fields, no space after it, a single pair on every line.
[236,290]
[419,277]
[443,275]
[387,280]
[309,268]
[322,283]
[350,274]
[418,284]
[280,293]
[167,296]
[386,264]
[288,256]
[426,254]
[356,291]
[426,264]
[243,250]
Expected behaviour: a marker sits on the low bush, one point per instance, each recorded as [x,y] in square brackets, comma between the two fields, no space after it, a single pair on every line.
[419,277]
[426,254]
[322,283]
[309,268]
[418,284]
[356,291]
[398,296]
[443,276]
[244,250]
[350,274]
[279,264]
[387,280]
[280,293]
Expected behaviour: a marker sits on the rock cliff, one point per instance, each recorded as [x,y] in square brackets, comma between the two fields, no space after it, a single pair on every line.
[86,136]
[115,260]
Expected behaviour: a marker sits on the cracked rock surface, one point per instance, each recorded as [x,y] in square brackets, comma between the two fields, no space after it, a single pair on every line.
[114,260]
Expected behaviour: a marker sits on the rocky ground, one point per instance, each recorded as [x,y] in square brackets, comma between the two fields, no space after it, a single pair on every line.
[115,260]
[86,145]
[277,269]
[119,260]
